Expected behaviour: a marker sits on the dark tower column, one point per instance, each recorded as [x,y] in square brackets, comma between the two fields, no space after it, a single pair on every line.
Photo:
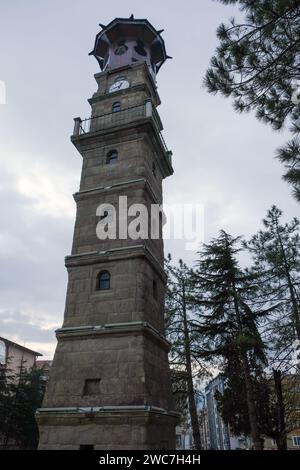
[109,386]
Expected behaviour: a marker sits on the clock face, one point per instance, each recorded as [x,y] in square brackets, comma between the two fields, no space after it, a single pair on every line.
[119,85]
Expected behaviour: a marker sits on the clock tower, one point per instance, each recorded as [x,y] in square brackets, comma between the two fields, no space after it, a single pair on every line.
[109,387]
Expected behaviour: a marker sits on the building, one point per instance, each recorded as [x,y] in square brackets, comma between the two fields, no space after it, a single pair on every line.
[204,427]
[109,385]
[293,441]
[220,437]
[184,437]
[16,357]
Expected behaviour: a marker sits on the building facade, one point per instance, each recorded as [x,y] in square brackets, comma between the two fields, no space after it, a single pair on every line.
[219,435]
[16,357]
[109,385]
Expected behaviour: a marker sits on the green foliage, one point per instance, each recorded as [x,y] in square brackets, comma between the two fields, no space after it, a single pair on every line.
[178,311]
[228,294]
[256,62]
[230,312]
[184,340]
[20,396]
[180,393]
[276,256]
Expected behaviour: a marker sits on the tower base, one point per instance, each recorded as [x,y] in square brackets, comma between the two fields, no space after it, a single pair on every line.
[115,428]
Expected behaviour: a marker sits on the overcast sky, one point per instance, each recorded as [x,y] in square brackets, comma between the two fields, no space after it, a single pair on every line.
[222,160]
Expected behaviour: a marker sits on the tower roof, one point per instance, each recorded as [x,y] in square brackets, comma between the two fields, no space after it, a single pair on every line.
[138,29]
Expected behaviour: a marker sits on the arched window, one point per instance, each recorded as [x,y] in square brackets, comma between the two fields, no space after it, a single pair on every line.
[103,280]
[116,107]
[112,157]
[121,48]
[140,48]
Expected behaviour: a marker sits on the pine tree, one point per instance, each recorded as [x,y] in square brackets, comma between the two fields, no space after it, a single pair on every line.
[256,63]
[228,317]
[276,252]
[6,400]
[33,389]
[20,395]
[183,339]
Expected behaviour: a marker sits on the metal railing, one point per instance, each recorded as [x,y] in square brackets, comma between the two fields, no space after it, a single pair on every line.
[117,118]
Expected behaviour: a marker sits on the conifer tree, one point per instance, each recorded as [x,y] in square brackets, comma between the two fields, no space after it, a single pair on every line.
[20,395]
[276,256]
[184,339]
[6,400]
[228,317]
[257,63]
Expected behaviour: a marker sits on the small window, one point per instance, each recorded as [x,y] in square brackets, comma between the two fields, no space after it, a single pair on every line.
[154,289]
[121,48]
[140,48]
[296,441]
[91,387]
[116,107]
[86,447]
[178,441]
[153,169]
[112,157]
[103,280]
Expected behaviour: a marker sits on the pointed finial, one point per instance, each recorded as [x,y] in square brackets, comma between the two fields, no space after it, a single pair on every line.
[160,31]
[102,26]
[131,17]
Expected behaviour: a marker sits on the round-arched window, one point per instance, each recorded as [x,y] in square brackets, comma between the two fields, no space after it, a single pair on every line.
[112,157]
[116,107]
[103,280]
[140,48]
[121,48]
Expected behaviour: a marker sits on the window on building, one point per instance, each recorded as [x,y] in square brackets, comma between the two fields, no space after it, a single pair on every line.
[121,48]
[178,441]
[154,169]
[103,280]
[91,387]
[140,48]
[296,441]
[112,157]
[116,107]
[86,447]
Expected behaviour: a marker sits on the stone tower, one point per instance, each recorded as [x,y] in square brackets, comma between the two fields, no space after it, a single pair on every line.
[109,386]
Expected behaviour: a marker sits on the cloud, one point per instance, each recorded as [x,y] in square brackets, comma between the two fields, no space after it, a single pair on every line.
[222,160]
[31,332]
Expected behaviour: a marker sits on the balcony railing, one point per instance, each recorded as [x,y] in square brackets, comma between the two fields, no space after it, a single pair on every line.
[117,118]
